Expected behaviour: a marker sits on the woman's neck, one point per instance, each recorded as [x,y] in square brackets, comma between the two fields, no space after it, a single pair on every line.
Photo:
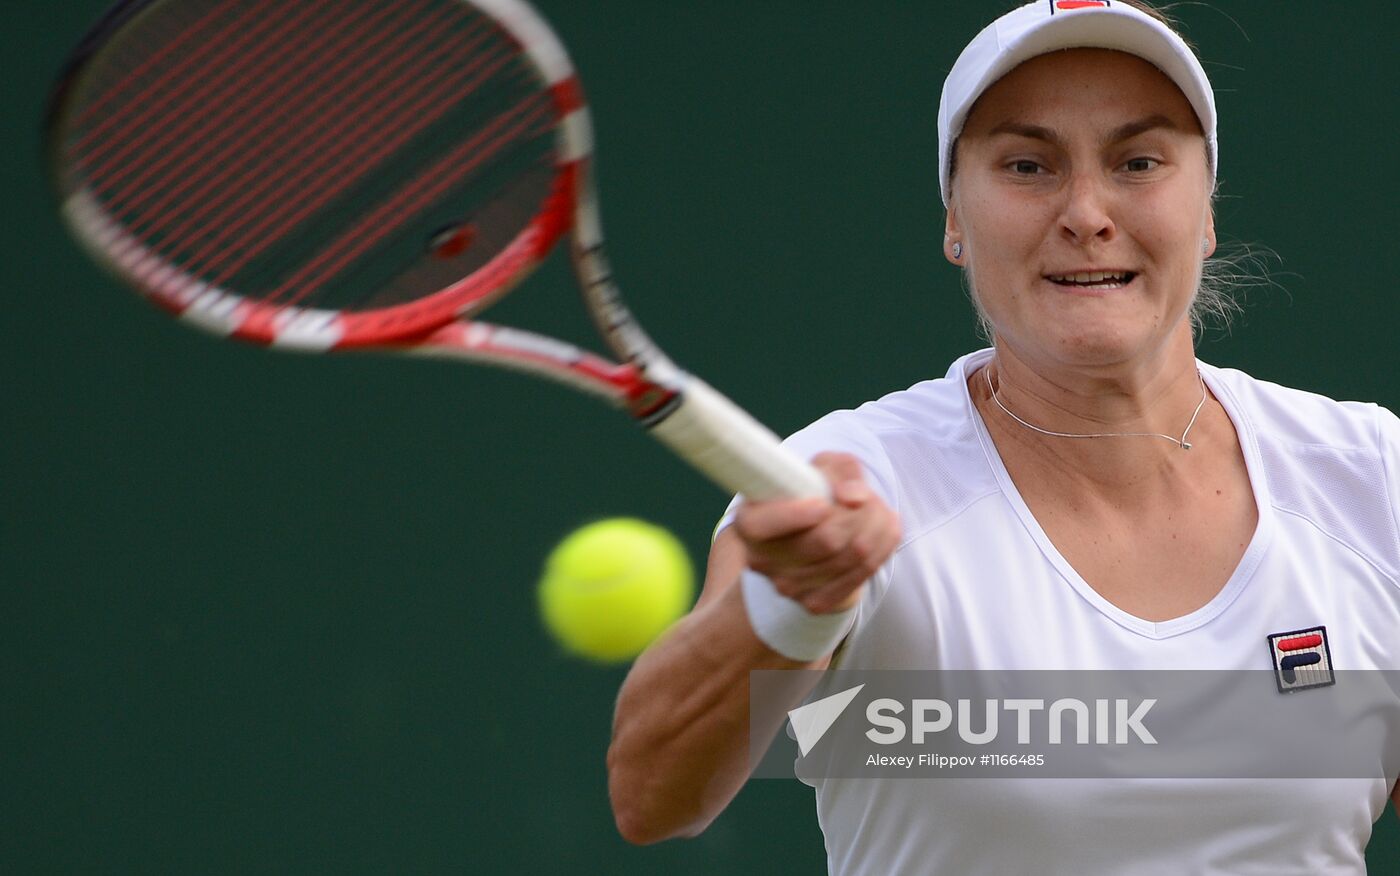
[1140,414]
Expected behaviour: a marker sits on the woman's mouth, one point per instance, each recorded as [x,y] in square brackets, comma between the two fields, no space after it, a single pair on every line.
[1093,280]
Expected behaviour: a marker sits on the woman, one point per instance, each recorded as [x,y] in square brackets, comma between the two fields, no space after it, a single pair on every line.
[1085,495]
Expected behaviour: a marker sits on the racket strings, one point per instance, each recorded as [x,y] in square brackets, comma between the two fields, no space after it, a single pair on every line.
[489,231]
[147,83]
[424,189]
[129,130]
[276,151]
[316,162]
[243,170]
[216,139]
[335,159]
[472,172]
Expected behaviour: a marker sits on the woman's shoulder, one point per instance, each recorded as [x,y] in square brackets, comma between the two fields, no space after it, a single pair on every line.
[937,409]
[1334,463]
[920,444]
[933,407]
[1299,417]
[928,419]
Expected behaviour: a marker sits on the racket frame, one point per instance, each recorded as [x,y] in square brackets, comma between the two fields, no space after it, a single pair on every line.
[698,423]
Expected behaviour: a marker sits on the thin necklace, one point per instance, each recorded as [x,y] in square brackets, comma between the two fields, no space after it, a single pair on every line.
[1180,442]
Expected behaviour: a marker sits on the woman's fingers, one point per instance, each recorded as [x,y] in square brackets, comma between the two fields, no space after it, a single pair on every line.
[816,552]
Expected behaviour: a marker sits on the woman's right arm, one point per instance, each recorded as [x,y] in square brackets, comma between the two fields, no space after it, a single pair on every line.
[681,731]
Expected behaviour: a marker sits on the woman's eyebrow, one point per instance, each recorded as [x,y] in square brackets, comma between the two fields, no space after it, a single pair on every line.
[1117,135]
[1030,132]
[1141,126]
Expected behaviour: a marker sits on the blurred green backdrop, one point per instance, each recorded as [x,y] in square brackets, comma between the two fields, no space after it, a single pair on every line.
[265,613]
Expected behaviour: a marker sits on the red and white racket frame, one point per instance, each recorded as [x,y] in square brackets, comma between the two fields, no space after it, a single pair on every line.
[698,423]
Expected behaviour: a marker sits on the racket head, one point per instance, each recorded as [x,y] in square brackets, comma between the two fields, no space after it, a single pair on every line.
[320,174]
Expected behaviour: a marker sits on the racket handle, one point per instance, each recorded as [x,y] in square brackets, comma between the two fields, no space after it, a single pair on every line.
[733,449]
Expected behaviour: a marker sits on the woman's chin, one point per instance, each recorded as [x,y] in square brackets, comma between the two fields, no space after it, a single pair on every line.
[1104,347]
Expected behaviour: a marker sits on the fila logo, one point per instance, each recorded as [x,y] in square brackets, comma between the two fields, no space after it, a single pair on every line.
[1067,5]
[1302,659]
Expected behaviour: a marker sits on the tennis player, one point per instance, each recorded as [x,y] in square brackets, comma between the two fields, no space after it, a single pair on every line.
[1085,494]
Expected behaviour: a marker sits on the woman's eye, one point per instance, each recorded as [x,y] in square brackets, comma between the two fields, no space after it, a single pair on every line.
[1140,165]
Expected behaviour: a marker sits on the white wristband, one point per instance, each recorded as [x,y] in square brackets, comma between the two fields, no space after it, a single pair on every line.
[785,626]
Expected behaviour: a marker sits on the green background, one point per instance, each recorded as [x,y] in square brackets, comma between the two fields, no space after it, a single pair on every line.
[267,613]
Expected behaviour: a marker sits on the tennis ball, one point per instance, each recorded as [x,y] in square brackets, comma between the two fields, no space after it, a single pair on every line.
[611,587]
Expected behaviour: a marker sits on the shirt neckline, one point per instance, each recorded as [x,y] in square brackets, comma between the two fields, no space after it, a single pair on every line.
[1239,578]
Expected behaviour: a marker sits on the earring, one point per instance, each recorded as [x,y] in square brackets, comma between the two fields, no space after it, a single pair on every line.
[1205,246]
[957,250]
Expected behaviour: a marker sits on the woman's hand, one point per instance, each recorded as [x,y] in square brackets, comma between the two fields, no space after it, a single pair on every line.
[816,552]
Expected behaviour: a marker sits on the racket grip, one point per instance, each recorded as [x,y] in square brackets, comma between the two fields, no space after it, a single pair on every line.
[733,449]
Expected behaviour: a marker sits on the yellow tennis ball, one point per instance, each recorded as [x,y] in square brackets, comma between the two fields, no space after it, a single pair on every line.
[611,587]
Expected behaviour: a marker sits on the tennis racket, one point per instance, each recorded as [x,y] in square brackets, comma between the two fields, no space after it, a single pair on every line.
[329,175]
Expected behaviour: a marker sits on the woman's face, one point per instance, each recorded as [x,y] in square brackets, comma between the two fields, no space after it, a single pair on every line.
[1082,202]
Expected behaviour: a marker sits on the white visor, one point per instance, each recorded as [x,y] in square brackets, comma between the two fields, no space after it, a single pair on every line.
[1050,25]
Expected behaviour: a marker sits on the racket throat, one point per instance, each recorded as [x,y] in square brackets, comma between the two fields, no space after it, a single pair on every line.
[649,403]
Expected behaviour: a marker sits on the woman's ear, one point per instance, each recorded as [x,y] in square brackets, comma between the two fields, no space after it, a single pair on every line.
[953,245]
